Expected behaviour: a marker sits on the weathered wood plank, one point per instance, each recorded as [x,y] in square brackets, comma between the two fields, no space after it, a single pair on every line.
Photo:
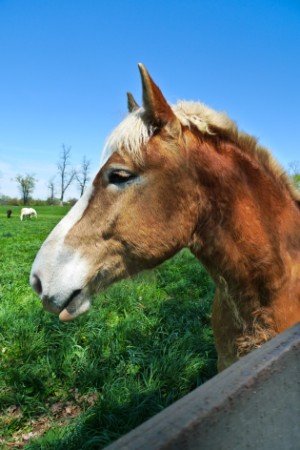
[254,404]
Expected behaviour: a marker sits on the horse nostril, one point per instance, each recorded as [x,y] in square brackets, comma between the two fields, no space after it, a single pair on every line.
[36,284]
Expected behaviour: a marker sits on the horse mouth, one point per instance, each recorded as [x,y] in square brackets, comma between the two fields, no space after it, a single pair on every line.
[74,294]
[78,303]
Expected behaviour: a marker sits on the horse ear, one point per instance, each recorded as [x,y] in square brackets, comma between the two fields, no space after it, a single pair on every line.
[131,103]
[157,110]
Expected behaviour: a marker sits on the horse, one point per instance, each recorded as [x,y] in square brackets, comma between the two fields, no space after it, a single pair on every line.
[183,176]
[8,213]
[28,212]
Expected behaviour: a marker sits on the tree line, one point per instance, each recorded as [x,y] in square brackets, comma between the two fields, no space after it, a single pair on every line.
[66,175]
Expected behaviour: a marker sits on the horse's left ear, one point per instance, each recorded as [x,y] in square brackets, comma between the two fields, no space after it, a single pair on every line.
[131,103]
[157,110]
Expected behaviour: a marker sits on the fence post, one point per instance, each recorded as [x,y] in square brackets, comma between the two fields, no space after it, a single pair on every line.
[254,404]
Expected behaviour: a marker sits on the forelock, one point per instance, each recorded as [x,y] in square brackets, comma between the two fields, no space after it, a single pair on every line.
[130,135]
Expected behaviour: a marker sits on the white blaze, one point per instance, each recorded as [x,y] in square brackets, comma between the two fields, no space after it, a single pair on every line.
[61,269]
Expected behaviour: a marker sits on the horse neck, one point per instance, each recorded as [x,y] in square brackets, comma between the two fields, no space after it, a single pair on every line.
[239,235]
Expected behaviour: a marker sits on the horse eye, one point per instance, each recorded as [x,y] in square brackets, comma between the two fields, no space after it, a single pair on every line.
[120,176]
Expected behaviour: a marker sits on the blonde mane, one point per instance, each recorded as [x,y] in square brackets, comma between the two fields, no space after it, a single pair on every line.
[132,134]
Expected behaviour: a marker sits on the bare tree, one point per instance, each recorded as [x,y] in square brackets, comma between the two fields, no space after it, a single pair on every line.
[26,186]
[65,172]
[82,176]
[51,187]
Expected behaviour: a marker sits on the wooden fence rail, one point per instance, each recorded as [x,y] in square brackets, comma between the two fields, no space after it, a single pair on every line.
[254,404]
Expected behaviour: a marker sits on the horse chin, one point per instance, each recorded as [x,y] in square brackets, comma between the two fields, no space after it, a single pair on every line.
[74,310]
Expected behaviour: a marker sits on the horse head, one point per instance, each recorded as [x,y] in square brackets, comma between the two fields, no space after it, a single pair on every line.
[141,209]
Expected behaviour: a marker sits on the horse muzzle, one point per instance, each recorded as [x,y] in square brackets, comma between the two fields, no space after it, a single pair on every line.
[76,304]
[61,281]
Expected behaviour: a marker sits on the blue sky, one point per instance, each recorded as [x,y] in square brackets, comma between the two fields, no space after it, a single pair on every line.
[66,67]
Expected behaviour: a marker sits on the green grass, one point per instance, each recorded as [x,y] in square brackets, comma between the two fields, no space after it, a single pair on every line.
[145,343]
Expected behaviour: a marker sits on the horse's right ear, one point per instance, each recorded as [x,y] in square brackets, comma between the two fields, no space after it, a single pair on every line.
[131,103]
[157,110]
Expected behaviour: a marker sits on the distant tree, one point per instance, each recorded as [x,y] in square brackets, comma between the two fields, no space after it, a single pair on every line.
[51,187]
[26,186]
[294,172]
[65,172]
[82,176]
[7,200]
[72,201]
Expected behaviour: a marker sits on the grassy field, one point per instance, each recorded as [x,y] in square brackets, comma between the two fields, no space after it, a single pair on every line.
[80,385]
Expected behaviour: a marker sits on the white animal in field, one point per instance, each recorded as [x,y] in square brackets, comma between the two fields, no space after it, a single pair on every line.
[28,212]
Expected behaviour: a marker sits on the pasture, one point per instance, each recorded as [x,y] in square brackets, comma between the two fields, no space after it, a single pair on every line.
[145,343]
